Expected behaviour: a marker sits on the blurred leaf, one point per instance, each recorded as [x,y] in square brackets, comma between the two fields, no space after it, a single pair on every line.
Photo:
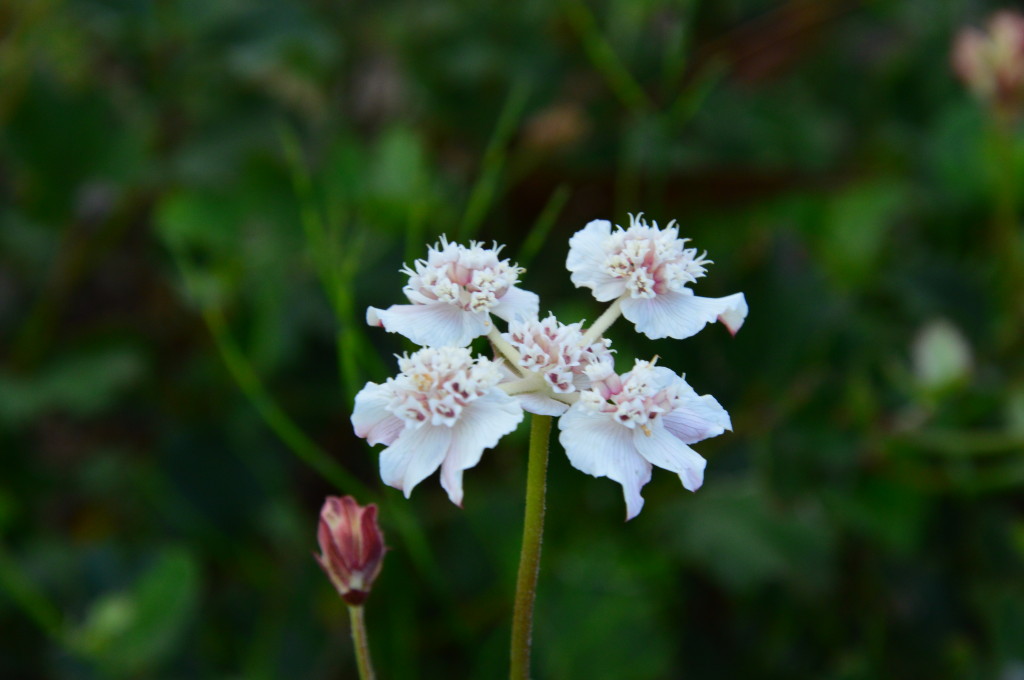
[82,384]
[736,533]
[855,227]
[132,631]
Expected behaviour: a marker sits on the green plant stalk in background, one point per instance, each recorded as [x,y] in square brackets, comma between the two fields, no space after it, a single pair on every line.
[529,558]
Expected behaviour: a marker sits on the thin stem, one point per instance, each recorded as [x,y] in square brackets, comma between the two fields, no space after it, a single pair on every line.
[603,323]
[529,558]
[360,642]
[530,383]
[503,346]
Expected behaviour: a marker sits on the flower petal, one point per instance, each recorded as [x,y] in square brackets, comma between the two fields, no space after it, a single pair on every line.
[661,448]
[586,261]
[517,304]
[416,453]
[698,419]
[480,426]
[682,314]
[601,447]
[541,404]
[433,325]
[370,417]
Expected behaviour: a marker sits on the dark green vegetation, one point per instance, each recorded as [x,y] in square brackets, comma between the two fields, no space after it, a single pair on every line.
[199,199]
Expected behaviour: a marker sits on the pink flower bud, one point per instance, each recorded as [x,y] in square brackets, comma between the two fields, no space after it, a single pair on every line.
[351,547]
[991,63]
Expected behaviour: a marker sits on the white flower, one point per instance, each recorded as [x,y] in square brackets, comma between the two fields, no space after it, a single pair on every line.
[625,424]
[647,269]
[555,353]
[453,292]
[442,410]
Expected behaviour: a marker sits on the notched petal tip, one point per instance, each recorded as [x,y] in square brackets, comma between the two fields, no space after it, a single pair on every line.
[373,317]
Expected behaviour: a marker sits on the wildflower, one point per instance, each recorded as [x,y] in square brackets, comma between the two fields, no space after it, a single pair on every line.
[552,358]
[992,63]
[351,547]
[453,293]
[646,270]
[442,410]
[624,425]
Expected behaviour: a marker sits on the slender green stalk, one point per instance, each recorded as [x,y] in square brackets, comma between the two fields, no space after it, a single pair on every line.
[621,82]
[282,425]
[529,558]
[603,322]
[360,643]
[33,602]
[486,187]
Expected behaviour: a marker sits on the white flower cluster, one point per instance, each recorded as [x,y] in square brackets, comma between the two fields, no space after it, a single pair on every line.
[445,407]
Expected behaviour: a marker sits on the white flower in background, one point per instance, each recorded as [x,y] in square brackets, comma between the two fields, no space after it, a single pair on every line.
[453,293]
[556,356]
[624,425]
[647,270]
[442,410]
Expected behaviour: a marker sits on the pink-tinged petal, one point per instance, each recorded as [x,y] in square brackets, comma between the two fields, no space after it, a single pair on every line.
[697,420]
[682,314]
[373,317]
[370,417]
[416,453]
[586,261]
[434,325]
[517,305]
[600,447]
[481,425]
[661,448]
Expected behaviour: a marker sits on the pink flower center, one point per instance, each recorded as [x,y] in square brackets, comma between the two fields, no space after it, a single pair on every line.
[436,384]
[556,351]
[652,261]
[472,278]
[635,399]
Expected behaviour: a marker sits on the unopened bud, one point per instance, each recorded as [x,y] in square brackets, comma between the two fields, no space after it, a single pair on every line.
[351,547]
[992,63]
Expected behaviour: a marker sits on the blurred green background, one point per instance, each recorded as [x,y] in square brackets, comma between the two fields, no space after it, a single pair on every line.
[199,199]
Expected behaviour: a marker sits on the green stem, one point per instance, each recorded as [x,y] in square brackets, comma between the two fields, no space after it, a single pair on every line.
[603,323]
[529,558]
[360,643]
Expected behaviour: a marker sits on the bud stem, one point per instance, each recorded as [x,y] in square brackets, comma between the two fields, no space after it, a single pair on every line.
[360,643]
[529,558]
[603,323]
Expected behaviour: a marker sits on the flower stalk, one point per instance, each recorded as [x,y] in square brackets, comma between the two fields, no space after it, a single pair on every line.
[360,643]
[529,558]
[603,323]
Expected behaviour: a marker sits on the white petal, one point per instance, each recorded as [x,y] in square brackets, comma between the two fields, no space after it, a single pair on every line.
[698,419]
[541,404]
[517,304]
[370,417]
[586,261]
[416,453]
[433,325]
[601,447]
[682,314]
[480,426]
[664,450]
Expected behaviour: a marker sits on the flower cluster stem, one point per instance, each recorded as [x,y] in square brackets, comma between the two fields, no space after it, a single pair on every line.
[360,643]
[529,559]
[603,322]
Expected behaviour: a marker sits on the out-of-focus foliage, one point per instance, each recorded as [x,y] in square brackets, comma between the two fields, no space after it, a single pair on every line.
[199,199]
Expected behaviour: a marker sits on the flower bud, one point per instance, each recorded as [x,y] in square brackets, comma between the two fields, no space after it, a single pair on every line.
[351,547]
[992,63]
